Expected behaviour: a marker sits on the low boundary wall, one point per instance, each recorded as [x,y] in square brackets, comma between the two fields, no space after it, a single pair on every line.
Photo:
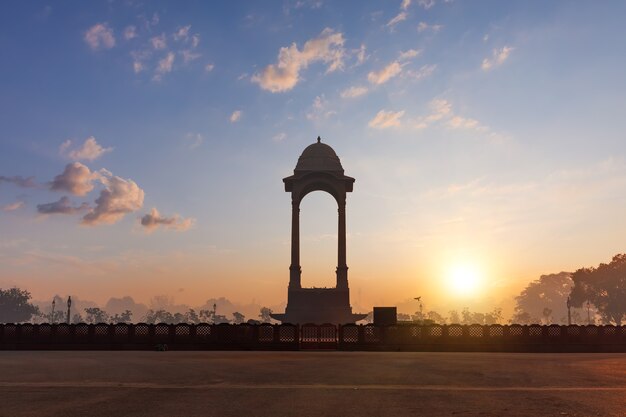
[402,337]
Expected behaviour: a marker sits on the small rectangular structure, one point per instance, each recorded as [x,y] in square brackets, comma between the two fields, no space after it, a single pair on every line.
[385,316]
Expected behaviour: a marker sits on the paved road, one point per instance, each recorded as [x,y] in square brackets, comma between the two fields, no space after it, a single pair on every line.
[303,384]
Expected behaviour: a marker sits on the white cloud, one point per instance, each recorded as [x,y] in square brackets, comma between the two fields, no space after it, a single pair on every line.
[90,150]
[423,72]
[411,53]
[130,32]
[13,206]
[194,140]
[442,113]
[76,179]
[100,36]
[405,4]
[497,58]
[119,198]
[138,58]
[385,74]
[397,19]
[159,42]
[189,56]
[280,137]
[195,40]
[319,109]
[385,119]
[154,219]
[63,206]
[426,4]
[234,118]
[361,56]
[182,33]
[165,66]
[353,92]
[285,74]
[423,26]
[209,67]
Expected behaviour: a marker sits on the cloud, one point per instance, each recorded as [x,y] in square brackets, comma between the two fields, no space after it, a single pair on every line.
[182,33]
[285,74]
[194,140]
[119,198]
[423,26]
[20,181]
[234,118]
[442,113]
[385,119]
[130,32]
[100,36]
[498,57]
[63,206]
[165,65]
[159,42]
[209,67]
[319,109]
[385,74]
[361,55]
[353,92]
[397,19]
[13,206]
[90,150]
[76,179]
[411,53]
[423,72]
[426,4]
[280,137]
[153,220]
[405,4]
[138,58]
[189,55]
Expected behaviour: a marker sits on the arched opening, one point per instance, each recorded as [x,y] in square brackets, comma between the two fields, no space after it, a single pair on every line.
[318,240]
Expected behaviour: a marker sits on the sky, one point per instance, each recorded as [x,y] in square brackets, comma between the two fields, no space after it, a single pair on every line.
[143,146]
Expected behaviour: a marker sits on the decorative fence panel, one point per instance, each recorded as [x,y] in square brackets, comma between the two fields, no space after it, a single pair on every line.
[402,337]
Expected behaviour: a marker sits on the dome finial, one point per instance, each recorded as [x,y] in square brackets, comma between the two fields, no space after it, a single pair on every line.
[319,139]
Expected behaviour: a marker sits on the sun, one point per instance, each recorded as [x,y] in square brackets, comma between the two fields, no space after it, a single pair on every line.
[464,279]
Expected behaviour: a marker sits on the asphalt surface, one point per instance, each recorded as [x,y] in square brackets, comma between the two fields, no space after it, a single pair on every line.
[302,384]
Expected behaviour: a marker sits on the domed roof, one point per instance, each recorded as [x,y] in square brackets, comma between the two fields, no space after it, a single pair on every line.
[319,157]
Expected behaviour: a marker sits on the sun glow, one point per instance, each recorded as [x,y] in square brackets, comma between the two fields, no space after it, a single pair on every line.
[464,279]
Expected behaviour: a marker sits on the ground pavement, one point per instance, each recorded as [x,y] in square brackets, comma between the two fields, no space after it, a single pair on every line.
[302,384]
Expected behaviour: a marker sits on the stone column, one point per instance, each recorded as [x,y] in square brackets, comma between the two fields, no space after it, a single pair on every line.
[342,268]
[294,269]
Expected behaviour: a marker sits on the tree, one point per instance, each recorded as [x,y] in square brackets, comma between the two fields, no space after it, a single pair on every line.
[604,287]
[435,317]
[403,317]
[15,306]
[548,292]
[238,318]
[454,317]
[206,316]
[125,317]
[95,315]
[264,315]
[192,317]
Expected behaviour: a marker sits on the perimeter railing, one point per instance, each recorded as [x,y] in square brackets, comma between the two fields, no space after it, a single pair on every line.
[350,337]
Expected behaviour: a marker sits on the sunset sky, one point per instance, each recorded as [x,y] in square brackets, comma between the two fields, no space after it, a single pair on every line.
[143,146]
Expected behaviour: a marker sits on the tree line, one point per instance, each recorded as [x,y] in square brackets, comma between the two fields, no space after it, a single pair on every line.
[595,295]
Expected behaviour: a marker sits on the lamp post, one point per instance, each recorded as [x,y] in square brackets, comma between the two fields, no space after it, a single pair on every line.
[214,312]
[419,300]
[69,306]
[53,305]
[588,312]
[569,311]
